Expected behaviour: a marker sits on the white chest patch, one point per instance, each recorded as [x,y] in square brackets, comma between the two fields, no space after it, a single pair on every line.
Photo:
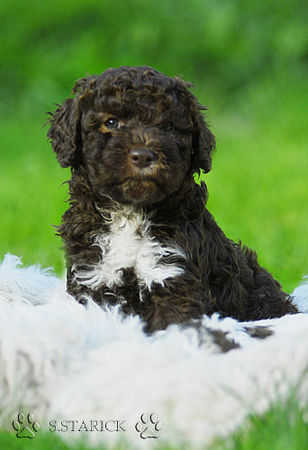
[130,245]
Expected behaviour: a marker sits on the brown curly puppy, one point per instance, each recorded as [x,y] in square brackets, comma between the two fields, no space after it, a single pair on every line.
[137,232]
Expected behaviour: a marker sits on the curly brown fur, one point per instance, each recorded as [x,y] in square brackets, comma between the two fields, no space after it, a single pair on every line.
[137,232]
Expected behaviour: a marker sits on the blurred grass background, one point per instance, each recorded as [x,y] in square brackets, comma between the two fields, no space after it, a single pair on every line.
[247,61]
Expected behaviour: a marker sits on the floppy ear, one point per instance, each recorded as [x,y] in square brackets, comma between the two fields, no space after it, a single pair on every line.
[64,132]
[203,143]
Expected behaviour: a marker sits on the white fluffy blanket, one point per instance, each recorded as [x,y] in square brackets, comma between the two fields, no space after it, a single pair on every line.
[62,362]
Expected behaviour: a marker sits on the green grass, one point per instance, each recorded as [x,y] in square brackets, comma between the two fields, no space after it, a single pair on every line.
[32,196]
[283,427]
[42,441]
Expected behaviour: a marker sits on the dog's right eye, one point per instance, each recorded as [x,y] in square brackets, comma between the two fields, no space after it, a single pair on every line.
[112,124]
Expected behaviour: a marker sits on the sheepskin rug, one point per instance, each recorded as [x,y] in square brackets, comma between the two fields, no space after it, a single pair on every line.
[93,373]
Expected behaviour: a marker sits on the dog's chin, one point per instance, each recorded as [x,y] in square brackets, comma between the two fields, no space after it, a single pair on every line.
[141,191]
[137,191]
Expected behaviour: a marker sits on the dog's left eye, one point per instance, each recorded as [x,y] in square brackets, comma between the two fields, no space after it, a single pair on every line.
[112,124]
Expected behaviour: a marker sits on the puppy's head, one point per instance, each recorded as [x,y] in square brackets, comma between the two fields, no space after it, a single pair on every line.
[138,133]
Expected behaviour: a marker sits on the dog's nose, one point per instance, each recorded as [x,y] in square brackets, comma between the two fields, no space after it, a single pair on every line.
[141,157]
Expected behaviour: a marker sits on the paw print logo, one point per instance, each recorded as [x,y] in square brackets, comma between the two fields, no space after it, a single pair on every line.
[149,426]
[26,426]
